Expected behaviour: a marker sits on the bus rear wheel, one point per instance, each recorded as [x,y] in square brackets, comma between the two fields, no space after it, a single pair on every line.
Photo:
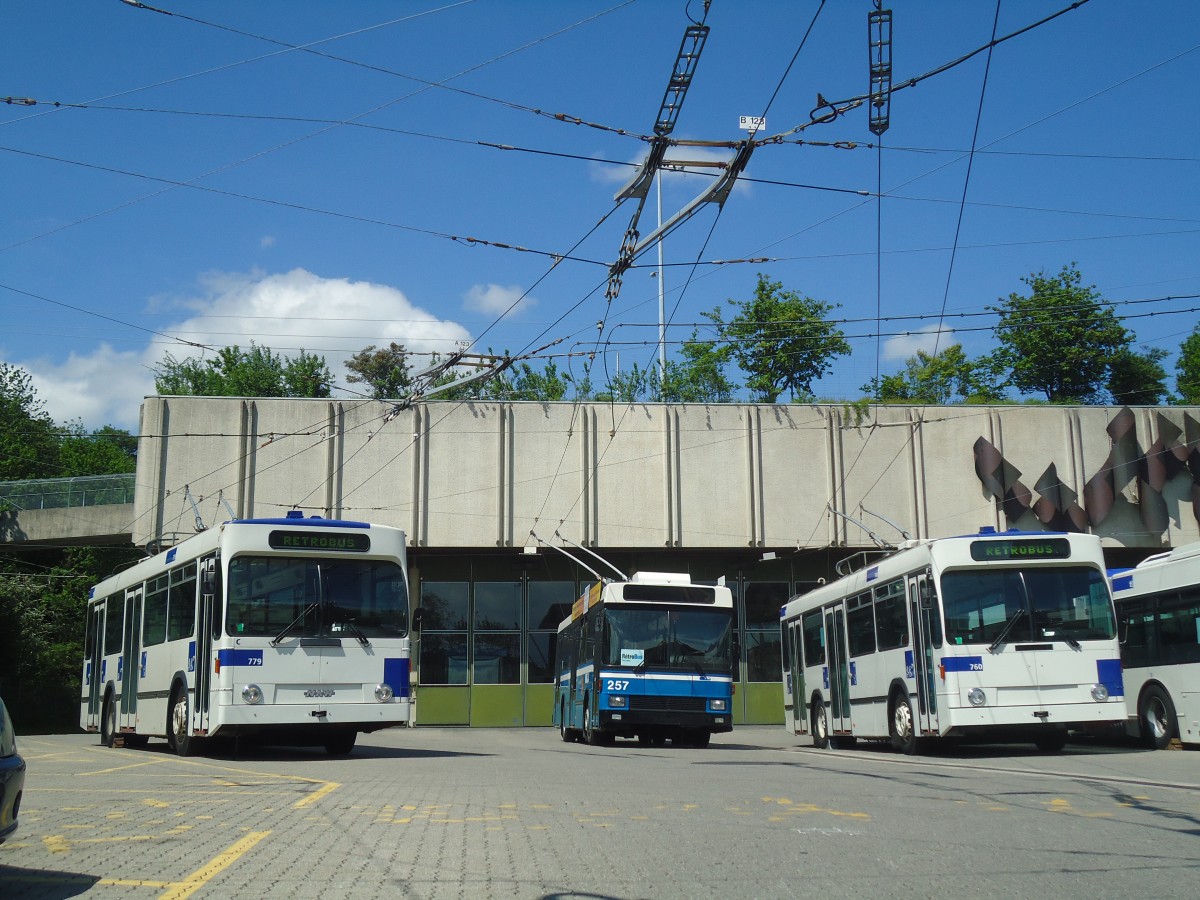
[178,719]
[1156,718]
[902,724]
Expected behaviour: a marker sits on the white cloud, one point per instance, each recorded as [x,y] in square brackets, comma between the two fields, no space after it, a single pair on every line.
[267,240]
[495,299]
[931,339]
[103,388]
[287,312]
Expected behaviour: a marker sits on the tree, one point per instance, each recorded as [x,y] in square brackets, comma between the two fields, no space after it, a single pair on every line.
[780,339]
[699,377]
[385,371]
[1138,379]
[28,437]
[547,384]
[937,379]
[109,451]
[1058,340]
[257,372]
[1187,367]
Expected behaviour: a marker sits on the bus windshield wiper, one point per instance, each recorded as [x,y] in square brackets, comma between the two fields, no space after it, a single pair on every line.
[1065,638]
[1008,626]
[348,623]
[292,624]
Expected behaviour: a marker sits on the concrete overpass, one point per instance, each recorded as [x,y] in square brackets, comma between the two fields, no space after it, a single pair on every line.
[67,511]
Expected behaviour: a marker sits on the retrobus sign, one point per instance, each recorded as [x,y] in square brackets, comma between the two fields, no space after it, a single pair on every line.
[315,540]
[1021,548]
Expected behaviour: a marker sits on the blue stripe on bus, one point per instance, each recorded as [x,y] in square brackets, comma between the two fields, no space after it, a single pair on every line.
[396,673]
[962,663]
[1122,582]
[1108,673]
[240,657]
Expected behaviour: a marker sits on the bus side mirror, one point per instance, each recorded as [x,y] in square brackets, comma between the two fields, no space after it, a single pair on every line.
[417,617]
[926,595]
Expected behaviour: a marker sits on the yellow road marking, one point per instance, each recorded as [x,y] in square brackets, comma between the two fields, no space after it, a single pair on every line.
[218,864]
[326,788]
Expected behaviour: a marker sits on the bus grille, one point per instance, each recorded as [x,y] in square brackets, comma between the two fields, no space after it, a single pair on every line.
[669,704]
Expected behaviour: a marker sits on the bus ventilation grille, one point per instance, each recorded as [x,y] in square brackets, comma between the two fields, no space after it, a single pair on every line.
[670,704]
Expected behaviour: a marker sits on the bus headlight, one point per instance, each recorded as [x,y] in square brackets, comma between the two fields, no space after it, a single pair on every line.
[1099,693]
[383,692]
[252,694]
[617,702]
[716,705]
[976,696]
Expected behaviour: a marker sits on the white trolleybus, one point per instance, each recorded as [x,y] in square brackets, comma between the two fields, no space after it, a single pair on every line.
[1158,608]
[290,630]
[650,658]
[1000,636]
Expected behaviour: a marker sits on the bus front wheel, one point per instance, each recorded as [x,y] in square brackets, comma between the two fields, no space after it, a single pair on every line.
[1156,718]
[341,744]
[108,721]
[903,725]
[819,726]
[563,731]
[590,733]
[178,736]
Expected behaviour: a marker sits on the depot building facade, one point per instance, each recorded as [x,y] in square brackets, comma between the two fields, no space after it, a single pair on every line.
[512,509]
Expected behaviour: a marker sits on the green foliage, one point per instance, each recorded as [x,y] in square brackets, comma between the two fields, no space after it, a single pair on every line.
[1058,340]
[257,372]
[531,384]
[28,437]
[1187,368]
[109,451]
[699,377]
[938,379]
[43,598]
[1138,379]
[385,371]
[780,339]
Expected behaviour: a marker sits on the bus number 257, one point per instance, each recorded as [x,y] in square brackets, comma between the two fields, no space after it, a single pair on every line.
[613,684]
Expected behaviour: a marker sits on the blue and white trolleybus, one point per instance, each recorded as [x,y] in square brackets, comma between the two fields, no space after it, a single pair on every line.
[997,636]
[292,630]
[649,658]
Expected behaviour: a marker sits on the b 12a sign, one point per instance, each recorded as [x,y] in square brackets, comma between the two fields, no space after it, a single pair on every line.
[752,123]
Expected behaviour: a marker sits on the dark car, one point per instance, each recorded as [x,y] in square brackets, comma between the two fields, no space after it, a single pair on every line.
[12,776]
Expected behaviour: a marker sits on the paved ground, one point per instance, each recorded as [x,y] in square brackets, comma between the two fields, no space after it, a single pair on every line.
[439,813]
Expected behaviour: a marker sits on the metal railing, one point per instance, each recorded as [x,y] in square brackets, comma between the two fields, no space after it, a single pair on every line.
[60,493]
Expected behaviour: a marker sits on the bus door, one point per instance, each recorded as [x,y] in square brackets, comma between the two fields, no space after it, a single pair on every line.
[922,605]
[839,669]
[95,633]
[208,611]
[131,657]
[799,695]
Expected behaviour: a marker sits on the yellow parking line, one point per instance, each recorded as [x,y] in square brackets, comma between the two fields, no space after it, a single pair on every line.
[206,873]
[319,793]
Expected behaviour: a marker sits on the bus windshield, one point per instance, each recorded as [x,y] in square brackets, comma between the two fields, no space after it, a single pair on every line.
[1066,603]
[316,597]
[689,639]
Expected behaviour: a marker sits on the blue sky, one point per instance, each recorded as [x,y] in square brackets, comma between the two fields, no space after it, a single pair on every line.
[218,188]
